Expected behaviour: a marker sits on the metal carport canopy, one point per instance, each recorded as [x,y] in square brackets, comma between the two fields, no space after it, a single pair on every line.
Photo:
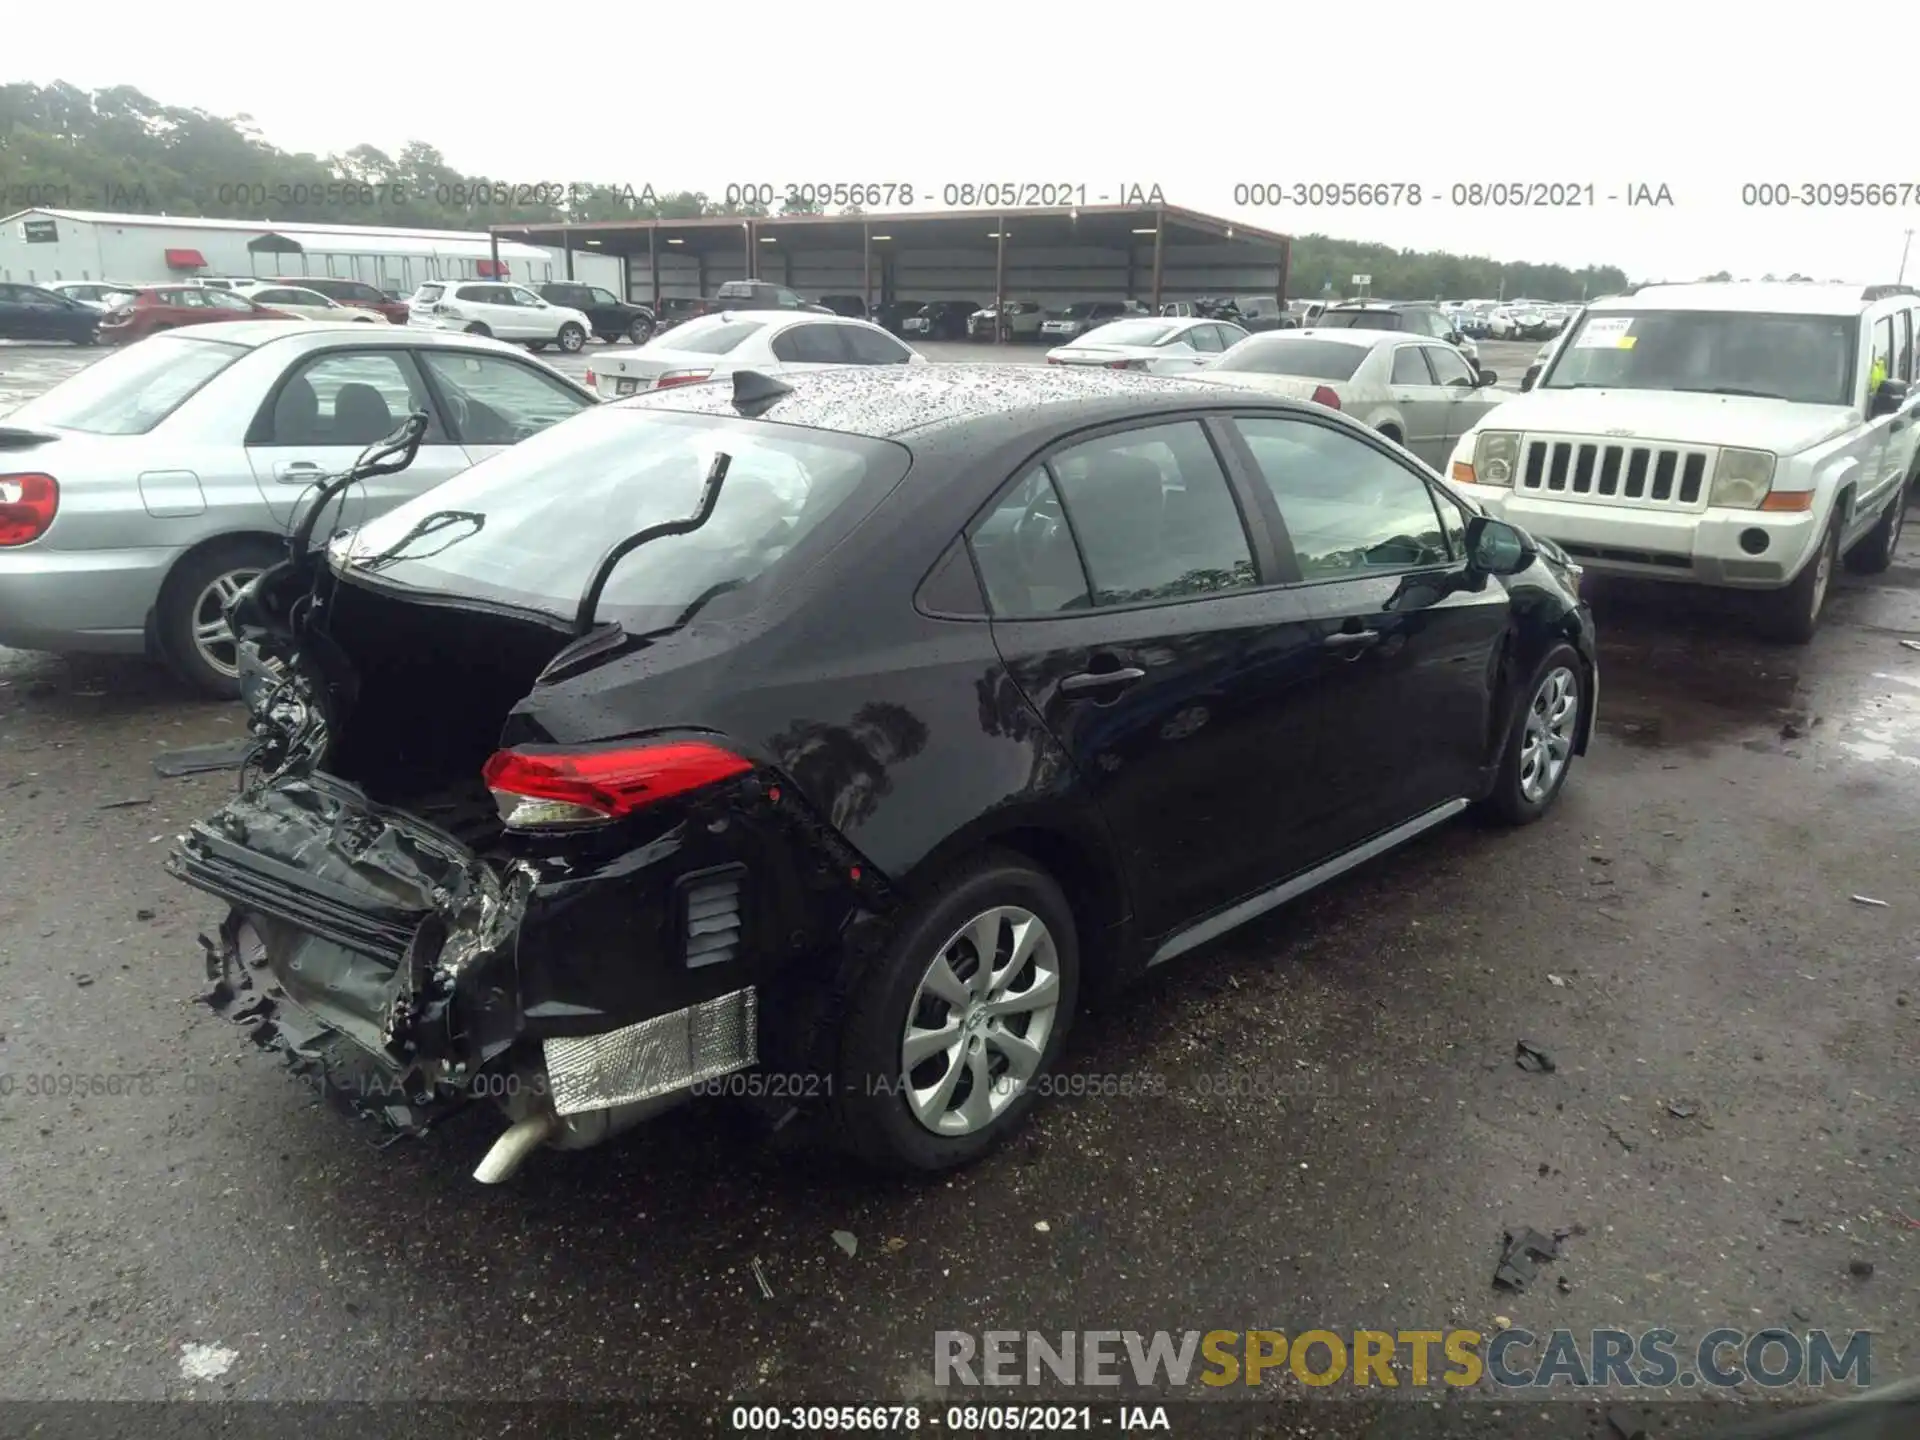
[1178,248]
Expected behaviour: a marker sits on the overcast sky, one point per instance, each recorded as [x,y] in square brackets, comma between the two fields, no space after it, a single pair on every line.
[1197,98]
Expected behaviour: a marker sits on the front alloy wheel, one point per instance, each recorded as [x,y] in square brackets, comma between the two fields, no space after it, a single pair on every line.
[1547,736]
[979,1021]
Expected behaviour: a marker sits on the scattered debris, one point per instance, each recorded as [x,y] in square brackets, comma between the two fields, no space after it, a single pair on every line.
[202,759]
[1860,1269]
[1683,1109]
[1042,1226]
[761,1275]
[1869,900]
[846,1240]
[1559,982]
[1619,1139]
[83,980]
[143,913]
[1502,1322]
[126,804]
[896,1244]
[1790,731]
[1911,644]
[1624,1426]
[1801,1315]
[1520,1258]
[1563,1285]
[1532,1058]
[1600,859]
[206,1362]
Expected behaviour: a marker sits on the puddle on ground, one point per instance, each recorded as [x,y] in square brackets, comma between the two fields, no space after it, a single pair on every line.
[1885,728]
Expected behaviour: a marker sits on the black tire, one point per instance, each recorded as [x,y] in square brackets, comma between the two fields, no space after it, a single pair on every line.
[1792,614]
[1875,551]
[873,1120]
[1392,433]
[536,346]
[476,328]
[181,597]
[1513,800]
[572,338]
[641,330]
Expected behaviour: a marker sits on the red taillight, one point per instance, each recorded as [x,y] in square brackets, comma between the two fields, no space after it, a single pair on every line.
[680,377]
[1327,396]
[540,789]
[591,379]
[1126,364]
[27,506]
[1052,361]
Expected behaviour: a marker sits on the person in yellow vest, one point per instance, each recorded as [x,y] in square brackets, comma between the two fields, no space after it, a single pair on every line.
[1875,376]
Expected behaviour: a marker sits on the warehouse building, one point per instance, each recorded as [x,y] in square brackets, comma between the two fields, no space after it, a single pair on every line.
[1056,256]
[40,246]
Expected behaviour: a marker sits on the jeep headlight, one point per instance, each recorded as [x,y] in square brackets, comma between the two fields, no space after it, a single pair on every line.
[1496,454]
[1741,479]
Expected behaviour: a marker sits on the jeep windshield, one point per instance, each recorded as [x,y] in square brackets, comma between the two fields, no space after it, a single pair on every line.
[525,529]
[1805,359]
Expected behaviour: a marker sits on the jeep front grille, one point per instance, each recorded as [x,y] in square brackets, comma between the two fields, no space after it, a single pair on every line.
[1608,472]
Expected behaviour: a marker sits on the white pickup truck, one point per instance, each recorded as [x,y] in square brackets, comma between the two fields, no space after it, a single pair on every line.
[1747,435]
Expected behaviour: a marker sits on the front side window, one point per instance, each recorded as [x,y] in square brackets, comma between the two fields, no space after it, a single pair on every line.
[1449,368]
[1205,339]
[1350,510]
[492,400]
[1805,358]
[1883,357]
[1409,368]
[1154,515]
[527,527]
[597,296]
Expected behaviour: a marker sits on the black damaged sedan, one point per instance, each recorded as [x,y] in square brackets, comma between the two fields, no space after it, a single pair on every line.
[843,731]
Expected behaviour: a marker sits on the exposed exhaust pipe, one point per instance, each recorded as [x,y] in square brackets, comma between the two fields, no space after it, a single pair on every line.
[515,1144]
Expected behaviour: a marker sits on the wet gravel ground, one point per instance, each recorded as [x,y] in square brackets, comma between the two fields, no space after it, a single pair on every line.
[1342,1136]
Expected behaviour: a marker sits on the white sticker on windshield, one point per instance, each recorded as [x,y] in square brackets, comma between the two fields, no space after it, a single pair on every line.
[1606,332]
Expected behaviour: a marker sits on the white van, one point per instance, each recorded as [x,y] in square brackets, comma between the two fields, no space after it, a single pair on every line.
[1743,434]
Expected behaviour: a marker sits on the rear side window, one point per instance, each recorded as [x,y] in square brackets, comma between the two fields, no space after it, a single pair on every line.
[871,347]
[427,294]
[1025,552]
[527,527]
[344,397]
[1154,516]
[717,338]
[1306,359]
[131,390]
[1409,368]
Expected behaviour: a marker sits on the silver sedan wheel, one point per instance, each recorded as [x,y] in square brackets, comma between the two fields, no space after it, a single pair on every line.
[212,636]
[1547,742]
[980,1020]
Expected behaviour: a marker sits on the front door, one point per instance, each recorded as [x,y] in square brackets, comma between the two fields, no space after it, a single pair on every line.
[1406,653]
[1178,683]
[324,412]
[1467,399]
[1422,403]
[493,402]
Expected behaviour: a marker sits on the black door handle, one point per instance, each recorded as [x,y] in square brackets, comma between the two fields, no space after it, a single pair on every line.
[1352,640]
[1100,679]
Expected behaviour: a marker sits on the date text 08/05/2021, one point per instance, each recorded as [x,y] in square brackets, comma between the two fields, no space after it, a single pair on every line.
[1459,194]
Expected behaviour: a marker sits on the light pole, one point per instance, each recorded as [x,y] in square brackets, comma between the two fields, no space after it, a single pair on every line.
[1901,278]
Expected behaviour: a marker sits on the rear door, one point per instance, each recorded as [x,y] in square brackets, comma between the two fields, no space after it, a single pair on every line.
[493,402]
[1174,672]
[1421,402]
[329,407]
[1406,662]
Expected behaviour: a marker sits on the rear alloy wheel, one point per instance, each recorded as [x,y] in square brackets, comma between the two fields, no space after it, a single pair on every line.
[1792,614]
[572,338]
[194,636]
[1540,745]
[640,331]
[1875,551]
[949,1038]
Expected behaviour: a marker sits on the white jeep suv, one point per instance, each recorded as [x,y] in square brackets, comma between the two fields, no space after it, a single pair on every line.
[496,308]
[1741,434]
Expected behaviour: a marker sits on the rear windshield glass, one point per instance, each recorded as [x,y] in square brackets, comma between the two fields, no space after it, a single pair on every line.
[1364,320]
[527,527]
[1075,312]
[1128,332]
[132,390]
[714,337]
[1286,355]
[735,290]
[427,293]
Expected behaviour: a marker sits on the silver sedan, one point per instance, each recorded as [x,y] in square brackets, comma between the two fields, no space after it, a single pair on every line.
[145,491]
[1418,392]
[1162,345]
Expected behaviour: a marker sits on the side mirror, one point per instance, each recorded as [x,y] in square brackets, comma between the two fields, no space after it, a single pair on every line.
[1454,337]
[1487,377]
[1891,395]
[1527,380]
[1497,548]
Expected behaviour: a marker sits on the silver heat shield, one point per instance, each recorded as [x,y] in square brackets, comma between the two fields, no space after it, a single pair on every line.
[669,1052]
